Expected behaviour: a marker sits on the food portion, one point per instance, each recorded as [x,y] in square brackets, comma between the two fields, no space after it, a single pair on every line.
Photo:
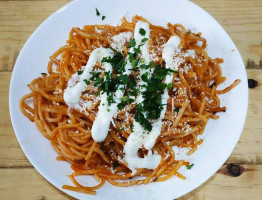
[118,102]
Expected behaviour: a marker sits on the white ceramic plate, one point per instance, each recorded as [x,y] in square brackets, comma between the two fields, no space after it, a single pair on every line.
[220,136]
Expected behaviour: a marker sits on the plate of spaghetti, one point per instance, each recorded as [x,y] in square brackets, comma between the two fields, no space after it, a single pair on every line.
[128,99]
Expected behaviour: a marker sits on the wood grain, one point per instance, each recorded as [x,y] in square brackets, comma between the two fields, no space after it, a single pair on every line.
[18,20]
[32,185]
[242,19]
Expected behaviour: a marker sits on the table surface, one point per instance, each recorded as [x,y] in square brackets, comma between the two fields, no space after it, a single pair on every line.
[242,19]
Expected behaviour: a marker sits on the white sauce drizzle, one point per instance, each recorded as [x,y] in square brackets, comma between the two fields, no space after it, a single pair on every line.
[74,90]
[140,137]
[169,51]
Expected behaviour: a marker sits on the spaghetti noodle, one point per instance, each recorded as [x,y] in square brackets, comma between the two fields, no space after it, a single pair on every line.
[143,90]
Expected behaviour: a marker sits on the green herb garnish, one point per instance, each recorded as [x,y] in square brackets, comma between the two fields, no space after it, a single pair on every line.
[98,81]
[144,39]
[132,43]
[155,179]
[140,118]
[212,85]
[103,17]
[117,61]
[80,72]
[142,31]
[169,86]
[132,127]
[86,82]
[95,75]
[176,109]
[115,165]
[97,12]
[190,166]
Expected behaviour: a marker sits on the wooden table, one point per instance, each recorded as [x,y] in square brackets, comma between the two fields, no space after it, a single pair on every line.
[242,19]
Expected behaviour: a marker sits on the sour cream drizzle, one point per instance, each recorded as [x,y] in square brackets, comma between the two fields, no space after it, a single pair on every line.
[140,137]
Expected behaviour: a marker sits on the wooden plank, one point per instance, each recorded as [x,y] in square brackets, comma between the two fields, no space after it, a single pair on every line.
[11,153]
[221,186]
[18,20]
[248,149]
[31,185]
[241,19]
[26,183]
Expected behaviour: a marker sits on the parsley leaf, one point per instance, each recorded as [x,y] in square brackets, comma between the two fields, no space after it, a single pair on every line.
[190,166]
[124,101]
[142,31]
[132,43]
[169,86]
[212,85]
[98,81]
[122,79]
[144,77]
[140,118]
[144,39]
[80,72]
[176,109]
[114,50]
[132,127]
[131,82]
[117,61]
[115,164]
[95,75]
[97,12]
[86,82]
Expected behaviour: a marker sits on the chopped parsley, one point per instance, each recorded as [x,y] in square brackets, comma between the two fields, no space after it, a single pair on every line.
[95,75]
[176,109]
[97,12]
[144,39]
[86,82]
[190,166]
[103,17]
[117,61]
[115,164]
[169,86]
[140,118]
[132,43]
[212,85]
[132,127]
[114,50]
[124,101]
[98,81]
[80,72]
[161,72]
[142,31]
[134,62]
[155,179]
[152,106]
